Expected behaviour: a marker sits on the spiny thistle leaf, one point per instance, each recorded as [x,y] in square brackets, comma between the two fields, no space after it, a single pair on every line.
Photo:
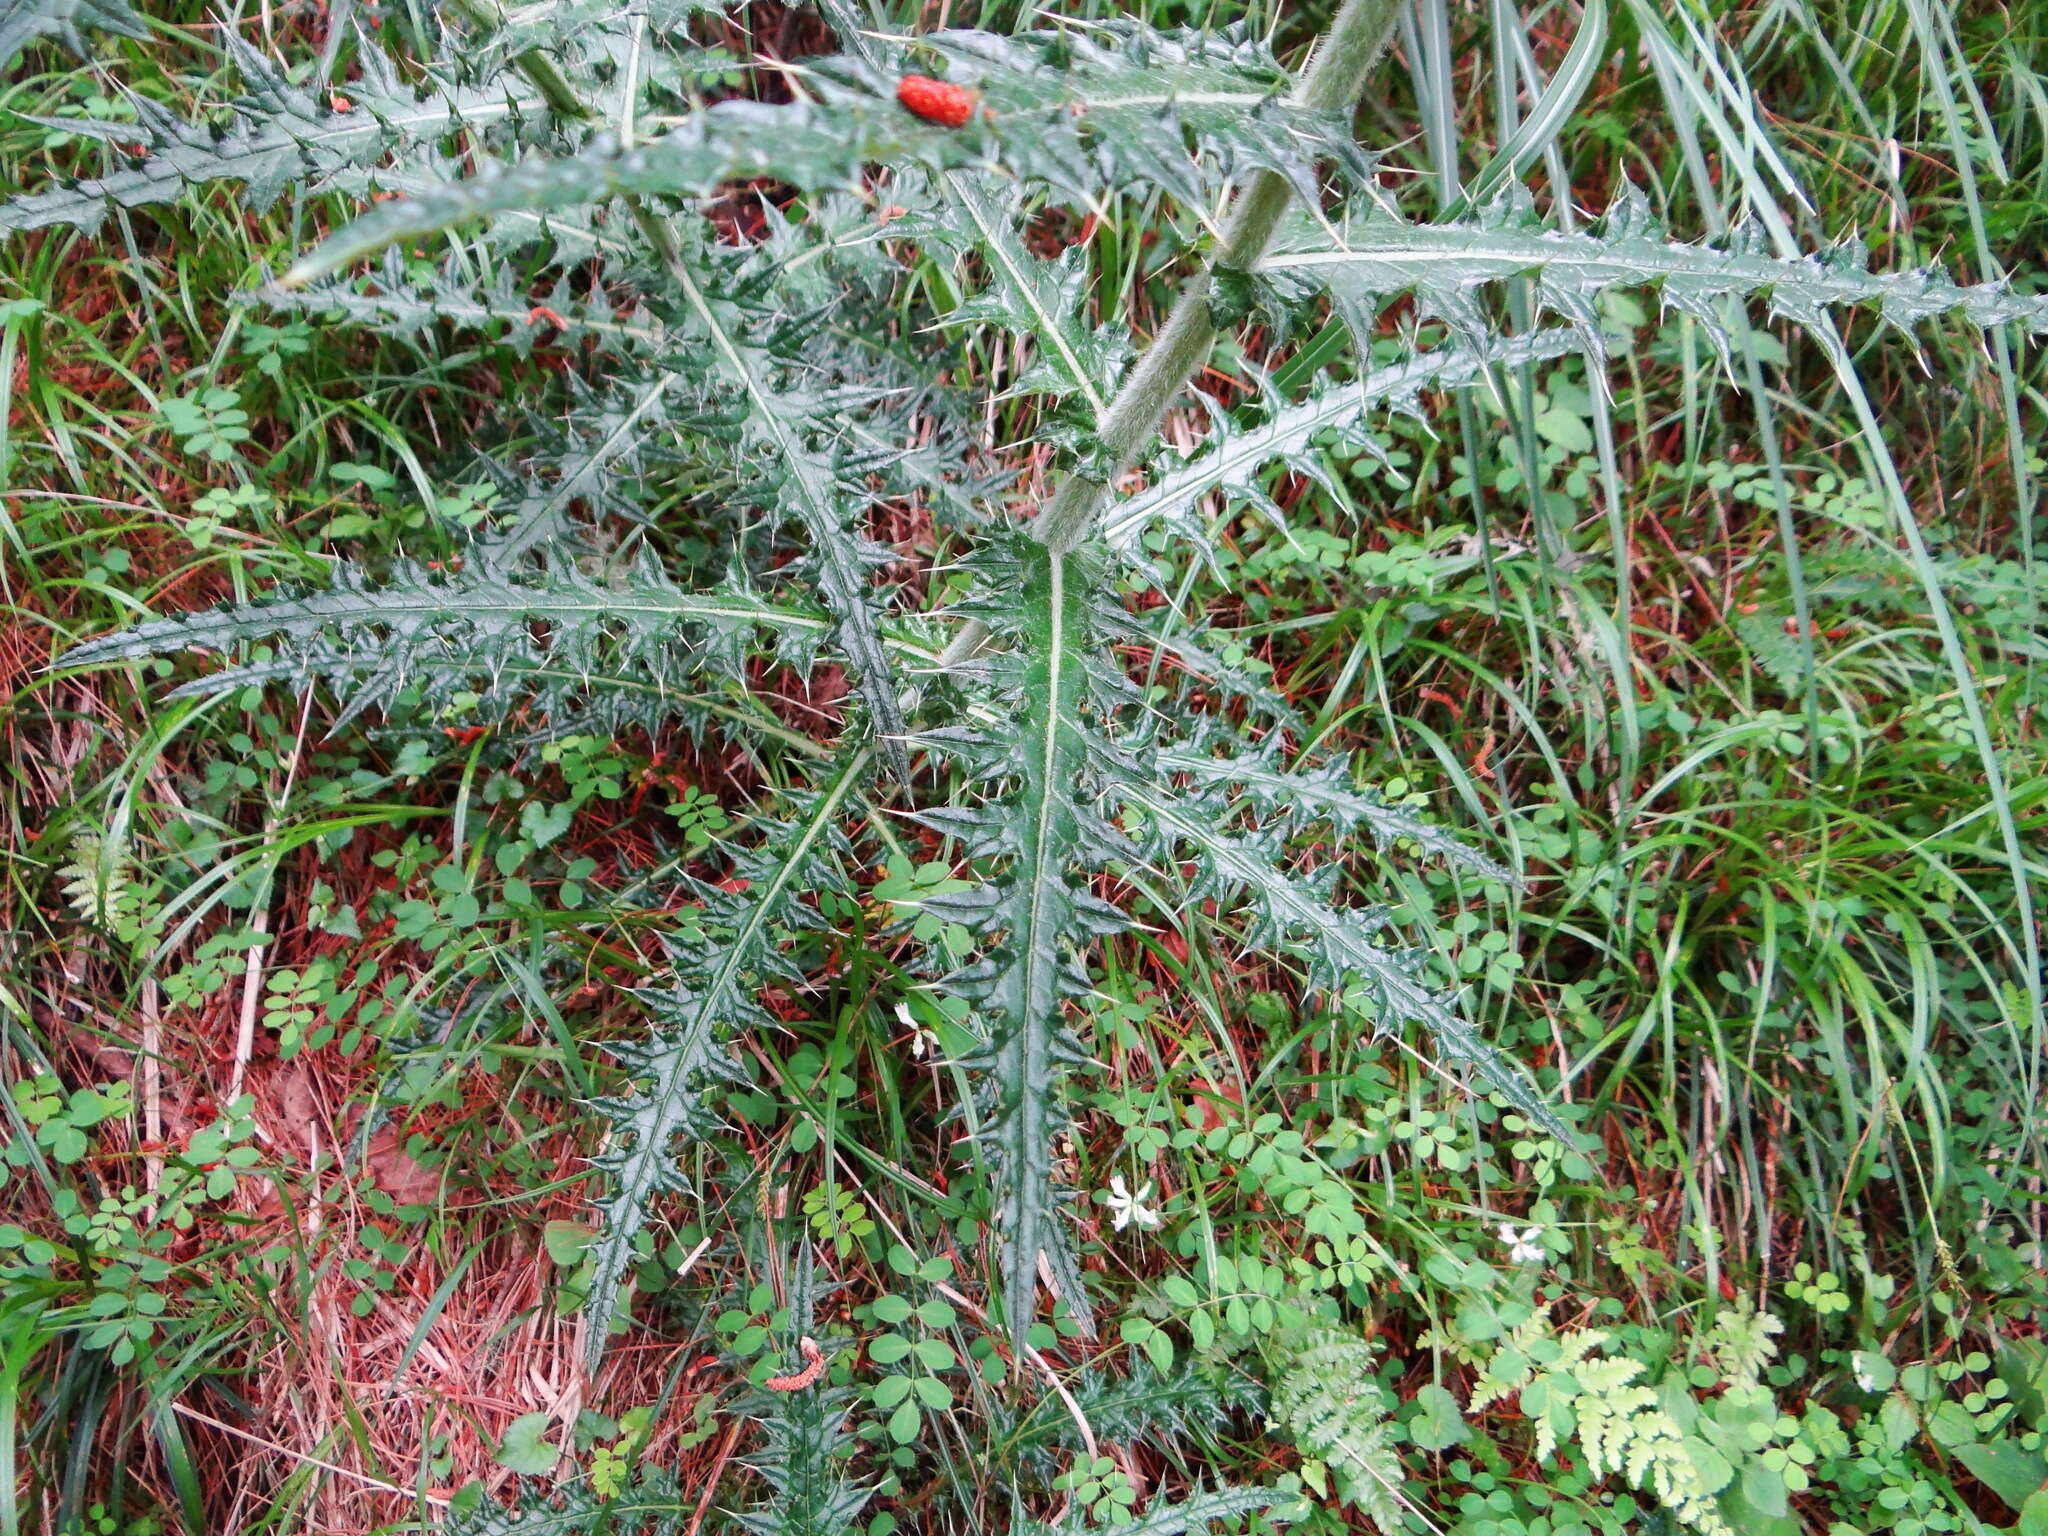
[1338,947]
[1198,1513]
[809,1438]
[1446,267]
[582,34]
[1160,1409]
[596,454]
[1295,798]
[1117,103]
[730,949]
[65,20]
[652,1506]
[1051,606]
[799,428]
[1027,295]
[399,299]
[442,634]
[1231,458]
[282,135]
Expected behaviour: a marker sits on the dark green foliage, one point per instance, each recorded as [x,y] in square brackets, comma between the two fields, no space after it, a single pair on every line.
[696,512]
[1191,1402]
[1167,1517]
[1047,829]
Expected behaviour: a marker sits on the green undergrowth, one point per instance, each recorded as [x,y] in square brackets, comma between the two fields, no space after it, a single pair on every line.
[1467,961]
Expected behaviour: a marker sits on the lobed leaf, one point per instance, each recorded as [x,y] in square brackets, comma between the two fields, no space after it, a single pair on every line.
[1046,825]
[1113,104]
[1232,458]
[1446,266]
[281,135]
[732,947]
[441,634]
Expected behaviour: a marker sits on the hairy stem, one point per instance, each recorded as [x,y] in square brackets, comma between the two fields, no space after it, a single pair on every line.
[1335,76]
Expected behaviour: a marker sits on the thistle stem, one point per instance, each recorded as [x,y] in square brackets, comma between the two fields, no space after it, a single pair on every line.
[1336,74]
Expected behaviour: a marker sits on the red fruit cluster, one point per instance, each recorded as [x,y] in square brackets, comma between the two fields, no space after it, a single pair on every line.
[935,101]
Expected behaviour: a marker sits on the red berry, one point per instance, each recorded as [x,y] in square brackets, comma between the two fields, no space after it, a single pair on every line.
[935,101]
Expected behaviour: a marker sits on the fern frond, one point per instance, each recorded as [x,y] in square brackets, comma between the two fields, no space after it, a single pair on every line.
[1446,267]
[1332,1407]
[1232,458]
[474,631]
[1623,1429]
[282,135]
[732,948]
[1116,103]
[65,20]
[100,883]
[1514,1363]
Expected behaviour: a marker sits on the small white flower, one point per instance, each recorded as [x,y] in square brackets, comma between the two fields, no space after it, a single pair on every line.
[1125,1207]
[922,1040]
[1525,1246]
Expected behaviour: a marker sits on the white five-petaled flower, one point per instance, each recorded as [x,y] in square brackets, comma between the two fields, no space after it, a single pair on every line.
[1524,1246]
[1125,1207]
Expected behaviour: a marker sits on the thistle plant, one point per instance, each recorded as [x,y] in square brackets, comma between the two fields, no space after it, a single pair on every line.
[552,182]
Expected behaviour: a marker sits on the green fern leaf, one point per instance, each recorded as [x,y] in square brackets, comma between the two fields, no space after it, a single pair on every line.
[1329,1402]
